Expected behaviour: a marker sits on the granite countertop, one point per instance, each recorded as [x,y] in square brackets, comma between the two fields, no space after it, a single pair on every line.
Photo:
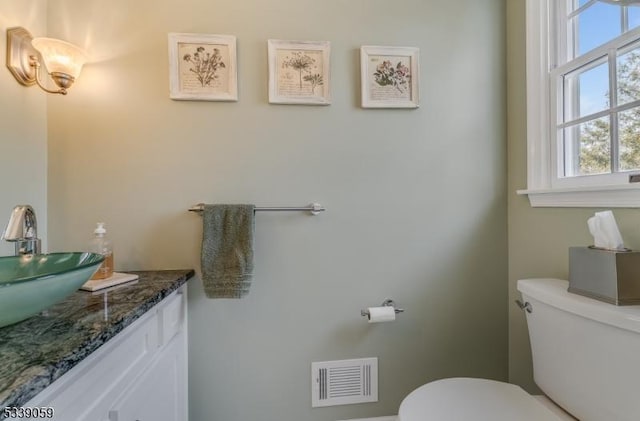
[37,351]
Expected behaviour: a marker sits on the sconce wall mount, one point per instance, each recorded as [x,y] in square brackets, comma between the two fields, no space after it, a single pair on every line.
[63,61]
[19,53]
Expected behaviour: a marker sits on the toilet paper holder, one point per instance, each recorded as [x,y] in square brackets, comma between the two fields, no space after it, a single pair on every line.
[385,303]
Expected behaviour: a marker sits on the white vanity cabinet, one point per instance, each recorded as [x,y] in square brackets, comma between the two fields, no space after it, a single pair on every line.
[138,375]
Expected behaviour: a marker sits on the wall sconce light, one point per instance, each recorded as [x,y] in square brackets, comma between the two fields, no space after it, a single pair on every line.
[63,61]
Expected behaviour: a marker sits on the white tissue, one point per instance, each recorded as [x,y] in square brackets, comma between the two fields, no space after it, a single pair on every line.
[605,231]
[382,314]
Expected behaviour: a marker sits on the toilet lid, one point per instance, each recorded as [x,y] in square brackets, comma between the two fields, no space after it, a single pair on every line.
[462,399]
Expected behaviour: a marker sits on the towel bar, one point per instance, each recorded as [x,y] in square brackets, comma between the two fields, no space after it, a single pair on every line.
[314,208]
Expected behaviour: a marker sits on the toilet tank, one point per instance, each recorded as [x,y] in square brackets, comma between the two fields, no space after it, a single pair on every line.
[586,353]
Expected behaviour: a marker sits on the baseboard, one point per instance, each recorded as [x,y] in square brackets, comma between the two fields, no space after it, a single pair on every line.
[391,418]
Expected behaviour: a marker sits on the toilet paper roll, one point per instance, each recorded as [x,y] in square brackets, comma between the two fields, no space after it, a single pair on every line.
[382,314]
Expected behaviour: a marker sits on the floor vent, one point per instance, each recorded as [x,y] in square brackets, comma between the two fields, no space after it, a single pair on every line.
[344,382]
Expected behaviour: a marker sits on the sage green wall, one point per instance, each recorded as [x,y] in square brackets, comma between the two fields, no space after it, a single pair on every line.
[23,122]
[539,238]
[416,199]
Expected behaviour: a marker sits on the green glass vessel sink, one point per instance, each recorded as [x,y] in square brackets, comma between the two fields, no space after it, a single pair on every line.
[32,283]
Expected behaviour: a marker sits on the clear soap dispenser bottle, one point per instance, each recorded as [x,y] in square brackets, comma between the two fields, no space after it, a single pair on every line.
[102,245]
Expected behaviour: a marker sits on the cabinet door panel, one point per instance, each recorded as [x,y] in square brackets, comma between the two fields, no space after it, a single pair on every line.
[171,317]
[159,393]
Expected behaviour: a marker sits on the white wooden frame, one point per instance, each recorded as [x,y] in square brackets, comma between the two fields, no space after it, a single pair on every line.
[202,67]
[542,188]
[299,72]
[390,77]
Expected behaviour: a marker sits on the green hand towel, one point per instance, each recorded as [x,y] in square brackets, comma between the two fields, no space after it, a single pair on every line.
[227,250]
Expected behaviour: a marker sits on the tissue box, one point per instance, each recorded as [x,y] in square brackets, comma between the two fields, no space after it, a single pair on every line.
[606,275]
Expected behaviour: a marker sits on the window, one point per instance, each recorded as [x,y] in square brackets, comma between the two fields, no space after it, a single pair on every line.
[583,99]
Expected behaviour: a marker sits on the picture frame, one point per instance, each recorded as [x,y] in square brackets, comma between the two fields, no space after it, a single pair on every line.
[299,72]
[390,76]
[202,67]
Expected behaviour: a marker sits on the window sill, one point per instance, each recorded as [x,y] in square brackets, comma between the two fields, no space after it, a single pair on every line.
[622,196]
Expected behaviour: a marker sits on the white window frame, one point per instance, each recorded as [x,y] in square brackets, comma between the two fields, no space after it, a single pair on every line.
[543,189]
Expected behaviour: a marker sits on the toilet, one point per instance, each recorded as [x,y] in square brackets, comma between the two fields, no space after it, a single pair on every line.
[586,360]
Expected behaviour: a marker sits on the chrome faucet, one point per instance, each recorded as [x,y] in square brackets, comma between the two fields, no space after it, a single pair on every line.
[22,229]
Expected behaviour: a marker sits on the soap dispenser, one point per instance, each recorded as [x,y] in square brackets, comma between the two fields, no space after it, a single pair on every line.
[100,244]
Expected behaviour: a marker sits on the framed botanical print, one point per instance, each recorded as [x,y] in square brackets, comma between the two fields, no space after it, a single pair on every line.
[202,67]
[299,72]
[390,77]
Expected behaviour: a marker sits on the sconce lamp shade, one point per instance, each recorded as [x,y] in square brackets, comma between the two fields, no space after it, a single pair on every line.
[60,56]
